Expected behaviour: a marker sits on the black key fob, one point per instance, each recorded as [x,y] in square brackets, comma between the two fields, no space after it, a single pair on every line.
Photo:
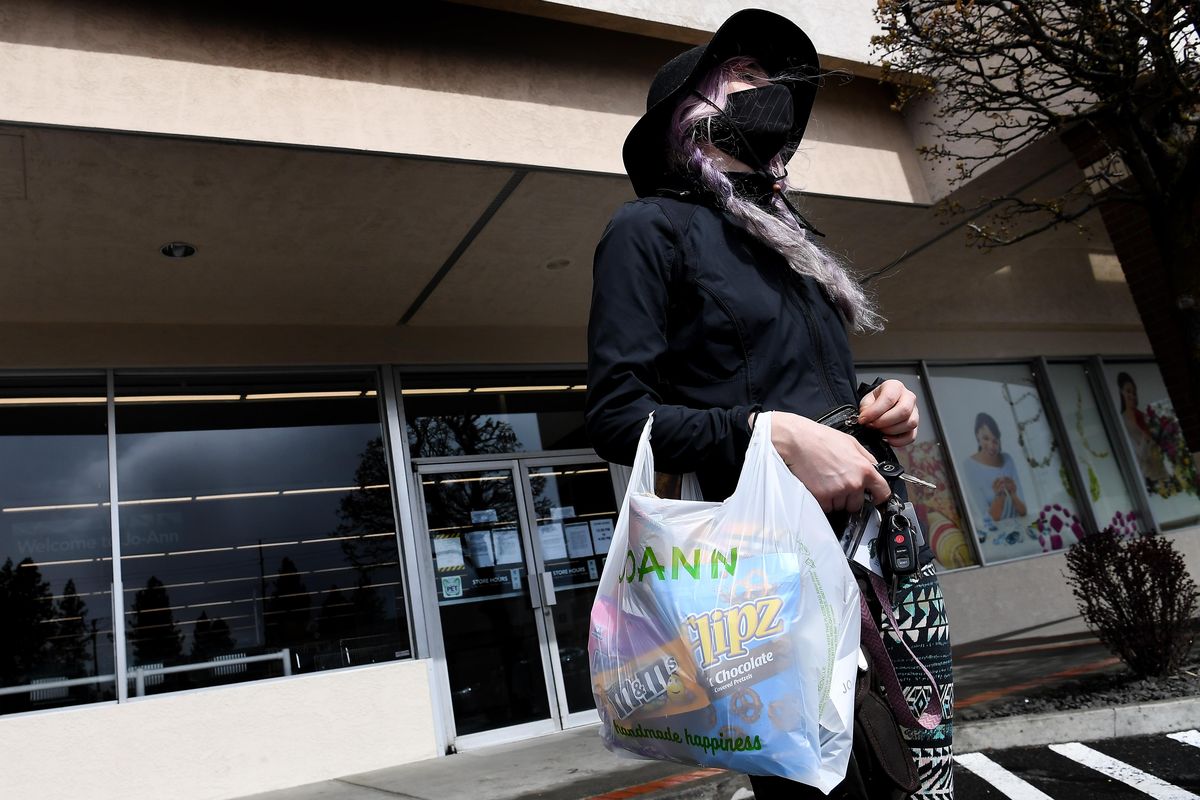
[897,540]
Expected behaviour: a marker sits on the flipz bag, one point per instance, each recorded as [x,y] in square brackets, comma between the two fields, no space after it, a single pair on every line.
[726,634]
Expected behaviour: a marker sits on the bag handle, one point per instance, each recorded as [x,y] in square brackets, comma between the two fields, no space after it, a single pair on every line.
[641,474]
[873,640]
[761,458]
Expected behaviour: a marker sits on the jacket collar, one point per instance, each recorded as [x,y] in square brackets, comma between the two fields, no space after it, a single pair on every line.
[755,186]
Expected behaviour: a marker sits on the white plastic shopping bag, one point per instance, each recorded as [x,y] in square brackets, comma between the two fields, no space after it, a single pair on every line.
[726,634]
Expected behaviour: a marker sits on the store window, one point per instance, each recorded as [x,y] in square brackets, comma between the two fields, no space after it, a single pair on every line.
[1012,474]
[1106,486]
[1152,429]
[941,517]
[258,536]
[468,415]
[56,635]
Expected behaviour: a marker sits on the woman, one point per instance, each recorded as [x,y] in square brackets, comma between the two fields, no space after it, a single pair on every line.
[1149,454]
[992,476]
[712,302]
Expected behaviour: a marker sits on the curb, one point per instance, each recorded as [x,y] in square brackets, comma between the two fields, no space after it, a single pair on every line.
[722,785]
[1088,725]
[1028,730]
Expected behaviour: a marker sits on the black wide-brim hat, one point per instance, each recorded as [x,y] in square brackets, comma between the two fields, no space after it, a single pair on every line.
[773,41]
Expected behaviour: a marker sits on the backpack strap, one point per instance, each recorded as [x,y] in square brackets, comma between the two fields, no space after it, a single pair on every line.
[679,213]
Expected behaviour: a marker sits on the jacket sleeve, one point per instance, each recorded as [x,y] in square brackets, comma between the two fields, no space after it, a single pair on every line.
[627,342]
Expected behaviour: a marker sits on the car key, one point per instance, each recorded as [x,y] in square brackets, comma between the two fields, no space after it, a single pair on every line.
[892,469]
[917,481]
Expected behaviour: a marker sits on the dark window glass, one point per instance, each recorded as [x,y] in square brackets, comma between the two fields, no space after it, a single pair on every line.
[258,537]
[462,415]
[56,643]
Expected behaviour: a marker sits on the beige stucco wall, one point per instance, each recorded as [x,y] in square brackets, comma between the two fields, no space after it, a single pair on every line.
[839,28]
[223,742]
[280,243]
[999,341]
[68,346]
[454,82]
[1029,596]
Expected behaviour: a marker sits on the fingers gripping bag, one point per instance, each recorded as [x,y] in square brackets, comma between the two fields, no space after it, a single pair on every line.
[726,634]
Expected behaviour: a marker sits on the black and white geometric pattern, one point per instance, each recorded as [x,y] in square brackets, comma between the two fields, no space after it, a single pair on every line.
[937,779]
[921,619]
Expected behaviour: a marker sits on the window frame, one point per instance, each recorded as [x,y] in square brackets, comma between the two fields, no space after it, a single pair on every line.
[1117,434]
[390,378]
[385,396]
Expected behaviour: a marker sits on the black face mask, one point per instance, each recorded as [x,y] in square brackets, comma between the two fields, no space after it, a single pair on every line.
[754,125]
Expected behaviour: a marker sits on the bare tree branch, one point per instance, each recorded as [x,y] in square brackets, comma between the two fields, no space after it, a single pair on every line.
[1121,77]
[1006,72]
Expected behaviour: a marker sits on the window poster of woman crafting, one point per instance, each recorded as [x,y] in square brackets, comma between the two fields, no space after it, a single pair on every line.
[1008,464]
[1152,429]
[937,509]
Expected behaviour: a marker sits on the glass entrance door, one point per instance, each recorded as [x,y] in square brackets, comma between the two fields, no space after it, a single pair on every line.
[516,551]
[492,628]
[574,513]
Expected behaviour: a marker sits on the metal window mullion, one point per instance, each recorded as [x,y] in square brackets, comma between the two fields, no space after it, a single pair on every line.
[579,452]
[120,658]
[556,693]
[1118,439]
[444,730]
[1081,491]
[399,472]
[952,474]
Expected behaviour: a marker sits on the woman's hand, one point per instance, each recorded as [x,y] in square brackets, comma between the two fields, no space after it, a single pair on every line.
[891,409]
[833,465]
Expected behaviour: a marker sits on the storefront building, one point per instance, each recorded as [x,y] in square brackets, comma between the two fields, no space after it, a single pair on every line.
[317,498]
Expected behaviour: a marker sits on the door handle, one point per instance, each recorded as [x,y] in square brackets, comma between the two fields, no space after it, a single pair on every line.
[534,600]
[548,597]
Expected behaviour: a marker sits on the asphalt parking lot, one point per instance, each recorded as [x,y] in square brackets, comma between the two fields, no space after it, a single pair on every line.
[1166,767]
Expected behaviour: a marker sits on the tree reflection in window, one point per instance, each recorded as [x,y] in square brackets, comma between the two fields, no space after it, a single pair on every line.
[475,434]
[461,434]
[153,634]
[26,609]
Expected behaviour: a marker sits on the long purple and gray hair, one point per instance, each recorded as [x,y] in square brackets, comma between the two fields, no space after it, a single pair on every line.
[691,150]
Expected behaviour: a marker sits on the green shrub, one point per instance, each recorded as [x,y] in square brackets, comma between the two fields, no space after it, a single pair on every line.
[1137,597]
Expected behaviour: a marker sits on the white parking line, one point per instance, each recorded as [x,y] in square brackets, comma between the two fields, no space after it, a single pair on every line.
[1010,785]
[1187,737]
[1119,770]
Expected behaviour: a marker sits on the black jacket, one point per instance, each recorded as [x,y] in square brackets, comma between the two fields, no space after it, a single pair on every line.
[698,321]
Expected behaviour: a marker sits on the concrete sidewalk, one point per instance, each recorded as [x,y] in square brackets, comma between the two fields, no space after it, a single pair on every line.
[995,670]
[570,765]
[573,765]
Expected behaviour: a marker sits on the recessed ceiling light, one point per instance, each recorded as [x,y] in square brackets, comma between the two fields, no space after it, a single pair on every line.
[178,250]
[555,264]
